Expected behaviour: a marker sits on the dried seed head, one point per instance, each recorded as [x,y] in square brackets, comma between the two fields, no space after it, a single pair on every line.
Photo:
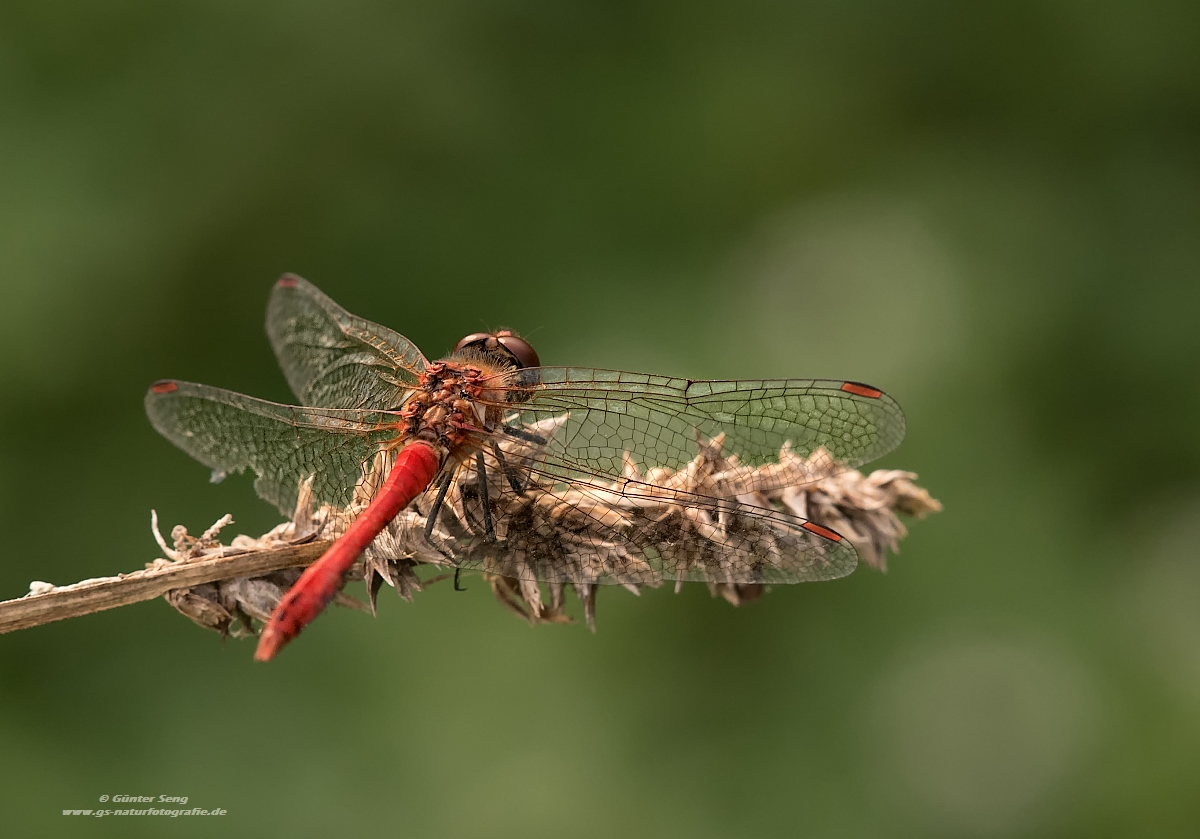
[638,531]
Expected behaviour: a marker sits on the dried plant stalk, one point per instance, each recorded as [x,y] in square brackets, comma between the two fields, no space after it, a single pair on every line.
[46,603]
[572,536]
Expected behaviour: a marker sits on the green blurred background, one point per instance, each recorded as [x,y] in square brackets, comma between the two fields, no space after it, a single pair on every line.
[990,210]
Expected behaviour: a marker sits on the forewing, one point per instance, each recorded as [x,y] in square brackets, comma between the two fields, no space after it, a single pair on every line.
[282,445]
[334,359]
[658,420]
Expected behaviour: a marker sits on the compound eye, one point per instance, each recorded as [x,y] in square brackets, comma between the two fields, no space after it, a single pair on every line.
[473,338]
[525,354]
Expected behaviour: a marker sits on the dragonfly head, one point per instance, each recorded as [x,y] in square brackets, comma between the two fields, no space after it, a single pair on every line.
[502,343]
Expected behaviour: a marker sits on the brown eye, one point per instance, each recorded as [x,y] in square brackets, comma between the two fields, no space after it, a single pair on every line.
[474,338]
[525,355]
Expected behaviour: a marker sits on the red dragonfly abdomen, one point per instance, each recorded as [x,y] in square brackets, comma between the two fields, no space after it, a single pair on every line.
[415,467]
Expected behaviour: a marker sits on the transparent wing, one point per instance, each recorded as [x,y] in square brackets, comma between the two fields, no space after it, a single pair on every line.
[633,478]
[282,445]
[657,419]
[594,535]
[334,359]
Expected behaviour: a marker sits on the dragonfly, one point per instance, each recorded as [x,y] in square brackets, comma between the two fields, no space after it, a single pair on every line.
[539,456]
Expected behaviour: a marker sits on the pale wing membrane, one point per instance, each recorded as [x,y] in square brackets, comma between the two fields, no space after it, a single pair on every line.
[334,359]
[658,419]
[282,445]
[584,518]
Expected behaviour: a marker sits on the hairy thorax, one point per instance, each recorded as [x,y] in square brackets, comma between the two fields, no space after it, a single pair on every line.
[456,405]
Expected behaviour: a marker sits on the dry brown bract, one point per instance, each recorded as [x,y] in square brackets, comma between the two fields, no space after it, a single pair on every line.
[230,606]
[634,532]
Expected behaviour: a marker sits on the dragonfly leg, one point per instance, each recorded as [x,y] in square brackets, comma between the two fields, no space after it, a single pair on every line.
[431,520]
[514,480]
[489,531]
[522,434]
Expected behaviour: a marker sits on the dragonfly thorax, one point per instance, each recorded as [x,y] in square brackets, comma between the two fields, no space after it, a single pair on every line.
[454,405]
